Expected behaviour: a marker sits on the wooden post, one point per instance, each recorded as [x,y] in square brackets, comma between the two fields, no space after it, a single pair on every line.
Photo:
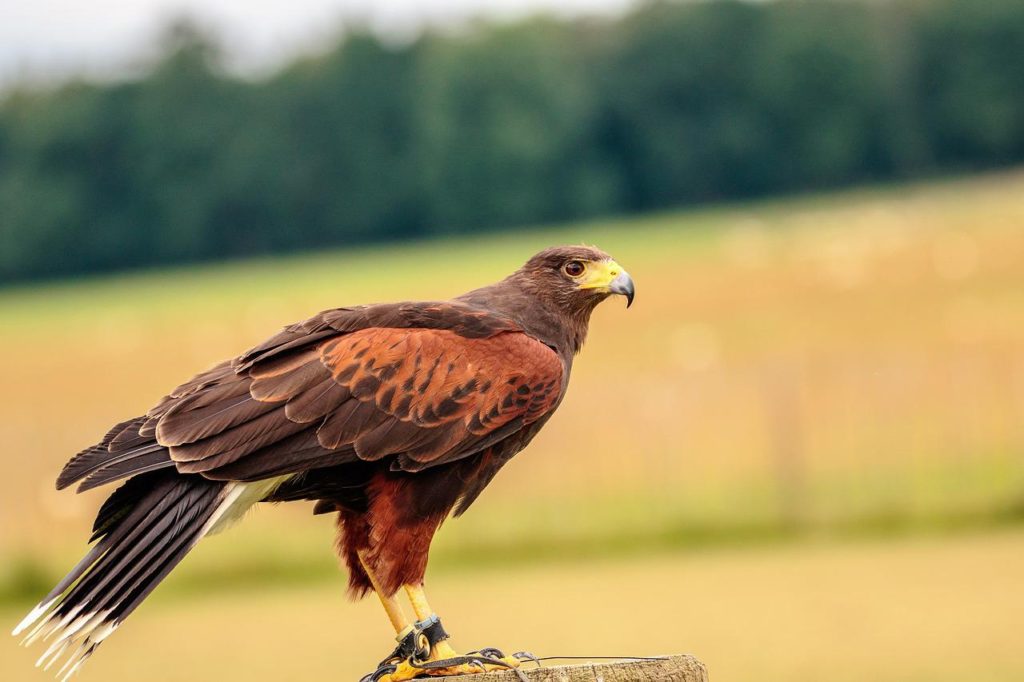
[678,668]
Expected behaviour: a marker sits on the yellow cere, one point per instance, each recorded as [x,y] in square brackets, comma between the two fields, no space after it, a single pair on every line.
[600,274]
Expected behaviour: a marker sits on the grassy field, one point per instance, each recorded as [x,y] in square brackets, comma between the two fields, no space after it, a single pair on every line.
[923,610]
[838,365]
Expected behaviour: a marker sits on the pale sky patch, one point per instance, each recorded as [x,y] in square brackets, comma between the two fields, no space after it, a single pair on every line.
[52,39]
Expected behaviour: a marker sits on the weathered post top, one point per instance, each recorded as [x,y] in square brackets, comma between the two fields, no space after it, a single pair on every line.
[677,668]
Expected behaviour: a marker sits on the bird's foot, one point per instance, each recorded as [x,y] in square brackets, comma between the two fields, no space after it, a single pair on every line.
[423,652]
[444,661]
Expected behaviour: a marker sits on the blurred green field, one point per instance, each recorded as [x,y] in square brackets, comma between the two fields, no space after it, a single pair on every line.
[924,610]
[835,365]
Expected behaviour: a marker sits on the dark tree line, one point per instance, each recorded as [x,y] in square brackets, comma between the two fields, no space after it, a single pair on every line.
[504,125]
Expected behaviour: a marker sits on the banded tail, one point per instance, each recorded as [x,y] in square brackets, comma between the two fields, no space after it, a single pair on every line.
[142,532]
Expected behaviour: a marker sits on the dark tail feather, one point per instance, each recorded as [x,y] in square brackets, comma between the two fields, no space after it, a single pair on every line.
[143,531]
[123,452]
[140,463]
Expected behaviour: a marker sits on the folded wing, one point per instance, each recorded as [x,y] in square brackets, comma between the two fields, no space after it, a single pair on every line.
[448,384]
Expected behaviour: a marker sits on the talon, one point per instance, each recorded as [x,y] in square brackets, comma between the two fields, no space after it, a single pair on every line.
[524,656]
[423,651]
[402,672]
[494,661]
[380,673]
[445,662]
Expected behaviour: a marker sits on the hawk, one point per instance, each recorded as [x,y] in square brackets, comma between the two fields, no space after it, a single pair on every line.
[391,416]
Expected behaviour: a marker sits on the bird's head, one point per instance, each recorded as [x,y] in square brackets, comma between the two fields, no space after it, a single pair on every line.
[577,278]
[553,294]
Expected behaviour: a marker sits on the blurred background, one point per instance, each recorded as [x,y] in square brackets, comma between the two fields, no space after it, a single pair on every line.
[798,456]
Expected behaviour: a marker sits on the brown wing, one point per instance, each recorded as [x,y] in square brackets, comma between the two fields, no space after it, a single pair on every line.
[423,396]
[321,394]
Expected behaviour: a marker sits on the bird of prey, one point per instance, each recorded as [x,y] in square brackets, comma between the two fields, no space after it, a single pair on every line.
[392,416]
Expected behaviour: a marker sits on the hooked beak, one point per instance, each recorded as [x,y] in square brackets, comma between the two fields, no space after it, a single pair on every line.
[623,285]
[609,276]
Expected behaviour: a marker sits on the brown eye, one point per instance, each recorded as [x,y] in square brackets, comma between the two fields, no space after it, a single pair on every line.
[574,268]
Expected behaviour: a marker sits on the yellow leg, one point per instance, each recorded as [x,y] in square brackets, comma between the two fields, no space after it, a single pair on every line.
[418,599]
[440,651]
[421,607]
[396,614]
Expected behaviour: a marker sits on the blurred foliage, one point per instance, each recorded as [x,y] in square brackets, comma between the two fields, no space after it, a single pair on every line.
[497,126]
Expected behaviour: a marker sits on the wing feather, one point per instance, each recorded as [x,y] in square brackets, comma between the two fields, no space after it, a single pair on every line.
[317,401]
[422,384]
[223,423]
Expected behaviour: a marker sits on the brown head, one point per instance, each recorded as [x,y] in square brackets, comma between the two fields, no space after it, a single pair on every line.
[576,278]
[555,292]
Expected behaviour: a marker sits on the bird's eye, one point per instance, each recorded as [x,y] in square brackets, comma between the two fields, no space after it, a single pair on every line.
[574,268]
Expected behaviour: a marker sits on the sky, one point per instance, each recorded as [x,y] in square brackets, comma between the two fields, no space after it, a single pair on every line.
[48,40]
